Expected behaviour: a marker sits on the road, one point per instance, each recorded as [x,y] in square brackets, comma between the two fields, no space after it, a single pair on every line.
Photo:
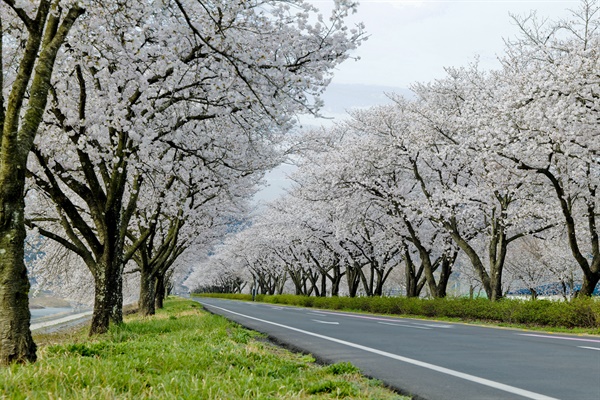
[433,360]
[51,323]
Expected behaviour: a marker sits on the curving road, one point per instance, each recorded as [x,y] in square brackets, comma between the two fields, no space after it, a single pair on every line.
[433,360]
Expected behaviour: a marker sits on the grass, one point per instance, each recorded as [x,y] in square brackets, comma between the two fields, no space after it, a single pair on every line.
[181,353]
[576,316]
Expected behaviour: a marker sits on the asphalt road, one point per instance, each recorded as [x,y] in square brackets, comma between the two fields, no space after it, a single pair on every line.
[56,322]
[433,360]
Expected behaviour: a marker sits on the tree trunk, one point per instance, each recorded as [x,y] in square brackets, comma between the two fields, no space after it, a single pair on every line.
[102,305]
[19,128]
[496,282]
[108,295]
[367,283]
[16,343]
[280,283]
[146,304]
[296,277]
[161,292]
[442,286]
[534,294]
[475,261]
[590,281]
[116,294]
[353,278]
[382,276]
[313,277]
[411,276]
[336,279]
[498,247]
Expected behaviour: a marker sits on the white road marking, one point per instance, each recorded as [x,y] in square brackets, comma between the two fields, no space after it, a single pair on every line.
[326,322]
[591,348]
[406,326]
[391,320]
[560,337]
[472,378]
[59,320]
[435,325]
[276,308]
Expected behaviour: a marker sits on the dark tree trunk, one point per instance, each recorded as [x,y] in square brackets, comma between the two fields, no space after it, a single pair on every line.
[534,294]
[382,276]
[280,283]
[323,284]
[102,305]
[18,129]
[297,280]
[116,294]
[414,284]
[367,283]
[590,281]
[146,303]
[16,343]
[336,279]
[108,296]
[353,279]
[442,286]
[161,292]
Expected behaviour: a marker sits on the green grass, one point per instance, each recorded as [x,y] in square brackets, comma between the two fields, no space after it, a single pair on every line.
[181,353]
[577,316]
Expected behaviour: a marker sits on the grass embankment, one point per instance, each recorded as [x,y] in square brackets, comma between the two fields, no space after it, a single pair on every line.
[578,315]
[181,353]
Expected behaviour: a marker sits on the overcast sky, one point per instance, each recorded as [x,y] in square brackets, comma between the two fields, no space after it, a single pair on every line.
[412,41]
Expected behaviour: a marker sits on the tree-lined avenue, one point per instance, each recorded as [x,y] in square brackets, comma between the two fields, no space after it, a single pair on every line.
[431,359]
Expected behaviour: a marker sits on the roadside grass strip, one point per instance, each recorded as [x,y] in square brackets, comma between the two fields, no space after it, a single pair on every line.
[182,352]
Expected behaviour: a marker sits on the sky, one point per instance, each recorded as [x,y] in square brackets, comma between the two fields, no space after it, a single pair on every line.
[413,41]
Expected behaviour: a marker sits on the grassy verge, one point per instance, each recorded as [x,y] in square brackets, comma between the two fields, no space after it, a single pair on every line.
[181,353]
[579,315]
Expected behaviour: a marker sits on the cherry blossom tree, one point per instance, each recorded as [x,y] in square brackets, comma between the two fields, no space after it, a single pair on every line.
[544,266]
[209,80]
[383,172]
[470,191]
[33,33]
[474,170]
[549,122]
[202,217]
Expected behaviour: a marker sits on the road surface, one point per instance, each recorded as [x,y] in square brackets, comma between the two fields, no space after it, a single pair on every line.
[433,360]
[57,322]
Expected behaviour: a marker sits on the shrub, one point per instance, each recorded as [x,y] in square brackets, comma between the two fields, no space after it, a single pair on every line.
[578,313]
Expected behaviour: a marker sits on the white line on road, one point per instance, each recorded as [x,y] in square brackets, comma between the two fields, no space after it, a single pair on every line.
[59,320]
[560,337]
[486,382]
[435,325]
[591,348]
[406,326]
[392,320]
[325,322]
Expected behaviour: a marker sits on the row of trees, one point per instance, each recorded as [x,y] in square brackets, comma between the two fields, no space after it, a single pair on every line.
[488,172]
[133,131]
